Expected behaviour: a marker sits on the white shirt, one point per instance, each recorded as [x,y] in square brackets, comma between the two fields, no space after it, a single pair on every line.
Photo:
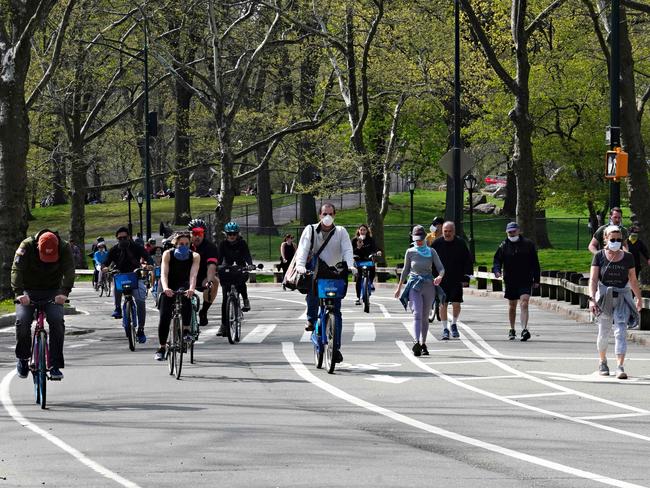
[339,247]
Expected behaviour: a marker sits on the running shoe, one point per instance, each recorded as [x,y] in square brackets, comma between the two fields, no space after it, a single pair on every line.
[620,373]
[512,335]
[525,335]
[425,351]
[247,305]
[56,374]
[117,314]
[417,349]
[357,302]
[160,354]
[603,370]
[203,318]
[141,337]
[454,331]
[445,334]
[309,327]
[338,357]
[22,367]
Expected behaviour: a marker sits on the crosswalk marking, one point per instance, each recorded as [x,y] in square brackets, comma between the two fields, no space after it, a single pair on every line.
[259,333]
[364,332]
[306,337]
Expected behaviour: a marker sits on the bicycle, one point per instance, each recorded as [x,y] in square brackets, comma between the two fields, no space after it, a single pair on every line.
[367,287]
[126,283]
[326,334]
[177,341]
[156,283]
[39,362]
[104,285]
[234,274]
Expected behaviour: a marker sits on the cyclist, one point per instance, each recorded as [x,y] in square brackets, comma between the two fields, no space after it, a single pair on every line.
[208,270]
[43,269]
[99,257]
[126,256]
[179,269]
[233,250]
[337,248]
[93,250]
[363,245]
[150,245]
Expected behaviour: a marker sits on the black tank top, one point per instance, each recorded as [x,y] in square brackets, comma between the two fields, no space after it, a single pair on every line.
[179,272]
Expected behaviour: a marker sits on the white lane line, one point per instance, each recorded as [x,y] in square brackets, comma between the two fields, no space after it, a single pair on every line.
[539,395]
[384,310]
[85,312]
[500,364]
[466,361]
[613,416]
[8,330]
[448,350]
[364,332]
[210,333]
[479,340]
[79,456]
[306,337]
[409,328]
[259,333]
[304,373]
[405,350]
[474,378]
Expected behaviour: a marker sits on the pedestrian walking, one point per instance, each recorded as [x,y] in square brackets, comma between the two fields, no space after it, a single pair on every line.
[458,263]
[516,259]
[638,248]
[615,218]
[419,292]
[287,251]
[611,284]
[435,230]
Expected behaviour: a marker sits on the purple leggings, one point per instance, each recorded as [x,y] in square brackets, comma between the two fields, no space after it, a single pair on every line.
[420,302]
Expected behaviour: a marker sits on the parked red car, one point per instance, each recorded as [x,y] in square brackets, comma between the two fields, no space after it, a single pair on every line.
[495,180]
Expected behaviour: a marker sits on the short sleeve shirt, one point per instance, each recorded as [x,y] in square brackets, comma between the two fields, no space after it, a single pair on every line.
[613,273]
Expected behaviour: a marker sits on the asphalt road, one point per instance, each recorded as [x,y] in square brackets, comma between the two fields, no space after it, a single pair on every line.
[479,411]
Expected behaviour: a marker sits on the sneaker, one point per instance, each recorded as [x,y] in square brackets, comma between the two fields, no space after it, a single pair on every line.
[247,305]
[417,349]
[160,354]
[445,334]
[512,335]
[425,351]
[454,331]
[309,327]
[603,370]
[203,318]
[187,335]
[338,357]
[372,287]
[117,314]
[22,367]
[56,374]
[525,335]
[620,373]
[141,337]
[357,302]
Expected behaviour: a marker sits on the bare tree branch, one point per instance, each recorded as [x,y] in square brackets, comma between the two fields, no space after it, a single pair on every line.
[642,7]
[390,151]
[543,16]
[602,42]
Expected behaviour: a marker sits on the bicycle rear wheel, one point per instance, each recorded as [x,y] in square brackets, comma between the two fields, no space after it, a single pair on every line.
[108,287]
[129,324]
[330,347]
[41,369]
[233,318]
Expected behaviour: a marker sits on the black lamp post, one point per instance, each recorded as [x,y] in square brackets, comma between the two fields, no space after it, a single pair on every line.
[129,197]
[140,199]
[411,183]
[470,185]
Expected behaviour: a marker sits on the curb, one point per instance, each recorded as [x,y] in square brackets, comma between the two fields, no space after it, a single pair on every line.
[9,320]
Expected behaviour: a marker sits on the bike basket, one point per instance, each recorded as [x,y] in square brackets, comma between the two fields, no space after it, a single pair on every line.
[331,288]
[365,264]
[156,271]
[126,279]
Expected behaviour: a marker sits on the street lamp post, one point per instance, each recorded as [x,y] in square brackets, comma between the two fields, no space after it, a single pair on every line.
[129,197]
[615,100]
[471,184]
[140,199]
[411,183]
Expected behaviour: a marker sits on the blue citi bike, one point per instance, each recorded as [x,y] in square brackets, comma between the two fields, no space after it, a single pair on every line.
[367,287]
[126,283]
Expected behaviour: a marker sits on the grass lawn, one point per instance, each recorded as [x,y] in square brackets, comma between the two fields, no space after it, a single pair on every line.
[7,306]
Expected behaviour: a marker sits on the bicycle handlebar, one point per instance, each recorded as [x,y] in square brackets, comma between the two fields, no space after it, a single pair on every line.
[40,303]
[236,267]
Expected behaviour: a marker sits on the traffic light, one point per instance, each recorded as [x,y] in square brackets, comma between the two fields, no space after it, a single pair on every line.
[616,164]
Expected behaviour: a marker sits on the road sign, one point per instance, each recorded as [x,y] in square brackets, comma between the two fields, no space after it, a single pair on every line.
[447,163]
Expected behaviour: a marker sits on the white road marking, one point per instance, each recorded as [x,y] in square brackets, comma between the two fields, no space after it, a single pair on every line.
[384,310]
[409,328]
[405,350]
[539,395]
[385,378]
[79,456]
[306,337]
[8,330]
[210,333]
[613,416]
[465,361]
[303,372]
[259,333]
[364,332]
[474,378]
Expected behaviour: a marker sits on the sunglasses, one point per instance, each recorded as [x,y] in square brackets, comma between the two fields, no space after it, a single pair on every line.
[231,233]
[616,240]
[123,238]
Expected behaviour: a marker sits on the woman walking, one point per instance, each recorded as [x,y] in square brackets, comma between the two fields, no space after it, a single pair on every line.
[419,292]
[287,251]
[612,281]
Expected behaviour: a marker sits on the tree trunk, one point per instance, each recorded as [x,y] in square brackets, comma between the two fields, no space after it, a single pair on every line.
[182,211]
[265,224]
[78,189]
[510,202]
[58,178]
[202,181]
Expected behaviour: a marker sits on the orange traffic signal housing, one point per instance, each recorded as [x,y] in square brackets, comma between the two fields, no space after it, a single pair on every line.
[616,164]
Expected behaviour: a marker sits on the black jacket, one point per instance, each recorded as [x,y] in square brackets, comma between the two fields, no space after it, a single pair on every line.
[369,247]
[517,261]
[128,259]
[235,253]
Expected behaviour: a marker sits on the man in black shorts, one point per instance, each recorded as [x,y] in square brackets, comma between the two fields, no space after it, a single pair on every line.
[458,263]
[516,258]
[206,280]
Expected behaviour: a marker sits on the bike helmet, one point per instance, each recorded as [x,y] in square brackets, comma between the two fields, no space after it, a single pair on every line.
[231,227]
[438,221]
[197,223]
[151,241]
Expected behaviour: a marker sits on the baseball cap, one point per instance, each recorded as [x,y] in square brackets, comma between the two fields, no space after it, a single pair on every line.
[48,247]
[512,226]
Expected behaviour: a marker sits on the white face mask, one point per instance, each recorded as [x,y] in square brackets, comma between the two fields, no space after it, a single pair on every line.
[613,246]
[513,238]
[432,228]
[327,220]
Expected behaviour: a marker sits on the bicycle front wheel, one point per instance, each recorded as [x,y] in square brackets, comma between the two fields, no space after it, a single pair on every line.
[365,294]
[41,369]
[108,288]
[233,318]
[172,344]
[181,349]
[129,324]
[330,347]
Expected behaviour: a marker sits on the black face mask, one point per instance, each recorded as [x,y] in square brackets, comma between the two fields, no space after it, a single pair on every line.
[123,244]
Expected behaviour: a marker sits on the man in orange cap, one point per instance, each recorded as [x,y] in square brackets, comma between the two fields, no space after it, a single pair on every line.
[42,271]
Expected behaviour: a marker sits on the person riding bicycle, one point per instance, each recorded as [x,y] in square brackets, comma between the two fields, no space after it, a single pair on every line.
[150,245]
[126,256]
[233,250]
[208,270]
[338,249]
[43,270]
[99,257]
[179,269]
[363,245]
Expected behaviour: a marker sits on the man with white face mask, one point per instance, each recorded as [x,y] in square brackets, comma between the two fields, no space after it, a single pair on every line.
[516,258]
[337,249]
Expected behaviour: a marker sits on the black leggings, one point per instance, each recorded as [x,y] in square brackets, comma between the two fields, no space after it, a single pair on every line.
[371,278]
[166,312]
